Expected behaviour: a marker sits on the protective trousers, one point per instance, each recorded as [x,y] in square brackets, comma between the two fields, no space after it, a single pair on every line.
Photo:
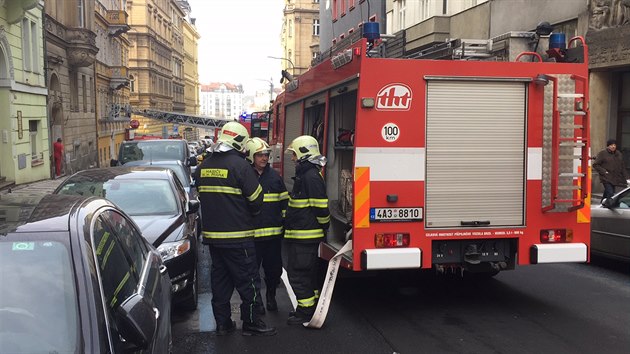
[234,267]
[303,270]
[269,255]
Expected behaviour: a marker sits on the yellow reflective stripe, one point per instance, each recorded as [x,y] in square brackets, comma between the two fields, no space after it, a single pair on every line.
[304,234]
[323,220]
[284,195]
[255,195]
[101,244]
[318,203]
[284,213]
[120,286]
[268,231]
[227,234]
[316,293]
[219,189]
[298,203]
[274,197]
[306,302]
[107,253]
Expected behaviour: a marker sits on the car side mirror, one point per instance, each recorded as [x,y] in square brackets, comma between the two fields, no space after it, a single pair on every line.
[136,322]
[192,161]
[608,203]
[193,206]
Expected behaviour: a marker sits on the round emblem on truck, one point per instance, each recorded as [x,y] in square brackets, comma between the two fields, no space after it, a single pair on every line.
[390,132]
[134,124]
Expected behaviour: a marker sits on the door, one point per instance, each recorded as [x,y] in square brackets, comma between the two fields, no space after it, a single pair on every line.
[475,153]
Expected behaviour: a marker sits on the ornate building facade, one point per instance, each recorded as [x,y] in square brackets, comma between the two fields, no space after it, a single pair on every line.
[25,147]
[70,55]
[300,34]
[191,72]
[113,111]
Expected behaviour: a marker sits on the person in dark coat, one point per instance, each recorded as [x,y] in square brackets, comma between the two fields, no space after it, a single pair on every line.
[268,226]
[306,222]
[611,169]
[230,197]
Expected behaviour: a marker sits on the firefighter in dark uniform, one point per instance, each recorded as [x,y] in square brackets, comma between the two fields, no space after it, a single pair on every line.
[230,197]
[306,222]
[268,226]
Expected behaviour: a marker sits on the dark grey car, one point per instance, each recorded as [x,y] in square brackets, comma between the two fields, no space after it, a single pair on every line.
[77,277]
[610,227]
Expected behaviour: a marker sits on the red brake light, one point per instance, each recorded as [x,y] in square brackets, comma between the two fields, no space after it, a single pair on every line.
[391,240]
[556,235]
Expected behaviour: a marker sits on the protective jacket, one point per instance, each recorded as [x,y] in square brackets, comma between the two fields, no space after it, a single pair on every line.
[307,213]
[230,197]
[610,167]
[269,223]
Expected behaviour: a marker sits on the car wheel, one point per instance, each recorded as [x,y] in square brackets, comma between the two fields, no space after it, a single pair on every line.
[190,304]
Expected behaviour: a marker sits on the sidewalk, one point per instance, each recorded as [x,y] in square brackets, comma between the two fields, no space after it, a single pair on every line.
[34,189]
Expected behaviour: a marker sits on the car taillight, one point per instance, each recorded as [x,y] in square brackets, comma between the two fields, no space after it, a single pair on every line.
[391,240]
[556,235]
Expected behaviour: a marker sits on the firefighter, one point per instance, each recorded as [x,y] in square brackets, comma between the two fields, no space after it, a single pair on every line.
[230,198]
[306,222]
[268,230]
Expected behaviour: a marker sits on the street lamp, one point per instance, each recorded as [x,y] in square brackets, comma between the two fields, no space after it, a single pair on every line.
[270,81]
[280,58]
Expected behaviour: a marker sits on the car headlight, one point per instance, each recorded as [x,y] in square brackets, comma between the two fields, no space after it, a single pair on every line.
[169,250]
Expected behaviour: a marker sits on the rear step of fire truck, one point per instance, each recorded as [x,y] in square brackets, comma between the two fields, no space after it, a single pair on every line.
[565,143]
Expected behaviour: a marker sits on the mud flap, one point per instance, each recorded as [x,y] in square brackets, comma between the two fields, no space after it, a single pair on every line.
[327,290]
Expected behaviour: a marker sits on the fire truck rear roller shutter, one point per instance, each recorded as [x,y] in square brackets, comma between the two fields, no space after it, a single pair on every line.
[475,152]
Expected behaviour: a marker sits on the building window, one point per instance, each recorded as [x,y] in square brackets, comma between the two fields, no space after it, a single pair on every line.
[316,27]
[402,8]
[424,9]
[26,45]
[132,83]
[290,28]
[33,126]
[34,47]
[351,4]
[343,7]
[84,91]
[334,10]
[74,91]
[81,12]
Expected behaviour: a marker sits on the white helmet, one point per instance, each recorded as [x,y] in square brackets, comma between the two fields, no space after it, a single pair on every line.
[234,134]
[255,145]
[304,147]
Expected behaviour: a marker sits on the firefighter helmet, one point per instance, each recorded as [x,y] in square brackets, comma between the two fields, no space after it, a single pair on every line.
[254,146]
[235,135]
[304,147]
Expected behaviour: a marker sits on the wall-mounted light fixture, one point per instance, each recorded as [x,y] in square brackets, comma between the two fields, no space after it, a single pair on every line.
[314,102]
[342,89]
[367,102]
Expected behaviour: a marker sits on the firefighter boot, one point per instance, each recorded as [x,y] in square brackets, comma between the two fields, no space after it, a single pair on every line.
[272,305]
[258,328]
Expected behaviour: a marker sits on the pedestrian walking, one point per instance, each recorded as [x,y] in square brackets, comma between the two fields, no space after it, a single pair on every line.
[268,226]
[306,222]
[230,196]
[611,169]
[58,156]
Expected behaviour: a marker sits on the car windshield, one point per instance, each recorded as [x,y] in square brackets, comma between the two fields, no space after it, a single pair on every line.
[152,150]
[38,301]
[135,197]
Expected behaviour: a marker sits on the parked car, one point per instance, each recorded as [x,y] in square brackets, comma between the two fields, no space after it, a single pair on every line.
[77,277]
[196,146]
[184,175]
[156,200]
[610,227]
[154,150]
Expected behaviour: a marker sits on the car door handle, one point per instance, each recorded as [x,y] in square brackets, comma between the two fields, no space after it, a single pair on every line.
[162,269]
[157,313]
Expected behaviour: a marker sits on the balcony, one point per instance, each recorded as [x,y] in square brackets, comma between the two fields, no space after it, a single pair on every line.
[427,33]
[118,77]
[117,21]
[82,47]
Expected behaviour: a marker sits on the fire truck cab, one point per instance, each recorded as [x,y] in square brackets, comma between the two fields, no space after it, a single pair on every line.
[476,161]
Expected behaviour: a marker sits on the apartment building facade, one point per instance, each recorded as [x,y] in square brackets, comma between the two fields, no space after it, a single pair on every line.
[25,146]
[113,111]
[339,19]
[221,100]
[300,34]
[70,56]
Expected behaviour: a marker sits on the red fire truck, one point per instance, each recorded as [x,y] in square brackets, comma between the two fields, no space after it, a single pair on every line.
[473,165]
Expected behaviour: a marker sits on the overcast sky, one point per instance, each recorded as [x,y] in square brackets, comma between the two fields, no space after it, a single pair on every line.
[236,38]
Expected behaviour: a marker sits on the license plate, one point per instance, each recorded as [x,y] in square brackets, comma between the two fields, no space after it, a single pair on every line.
[395,214]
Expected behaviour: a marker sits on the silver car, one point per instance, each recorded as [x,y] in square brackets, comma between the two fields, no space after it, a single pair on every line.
[610,227]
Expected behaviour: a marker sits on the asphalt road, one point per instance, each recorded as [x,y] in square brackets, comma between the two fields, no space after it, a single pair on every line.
[564,308]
